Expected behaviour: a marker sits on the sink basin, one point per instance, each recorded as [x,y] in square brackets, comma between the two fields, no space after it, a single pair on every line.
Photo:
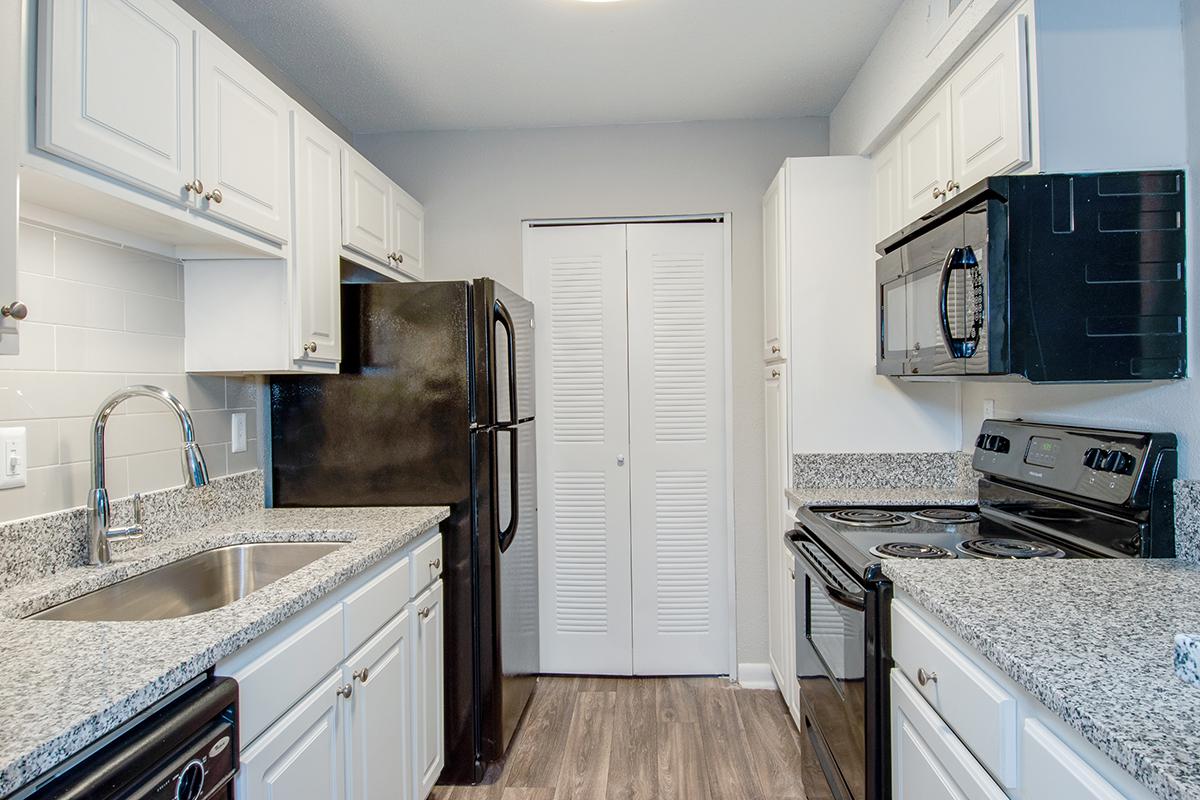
[202,582]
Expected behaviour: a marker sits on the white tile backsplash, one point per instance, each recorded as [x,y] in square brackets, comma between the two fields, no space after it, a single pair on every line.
[101,317]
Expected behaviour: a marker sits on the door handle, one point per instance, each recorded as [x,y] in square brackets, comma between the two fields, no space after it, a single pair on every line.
[505,535]
[506,321]
[620,460]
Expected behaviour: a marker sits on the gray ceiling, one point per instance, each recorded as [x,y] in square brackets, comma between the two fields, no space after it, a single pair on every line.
[404,65]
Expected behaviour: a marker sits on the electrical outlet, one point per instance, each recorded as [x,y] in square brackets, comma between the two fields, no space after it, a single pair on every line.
[12,458]
[237,433]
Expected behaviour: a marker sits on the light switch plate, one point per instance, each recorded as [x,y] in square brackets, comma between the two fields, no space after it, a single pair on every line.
[237,433]
[989,409]
[12,458]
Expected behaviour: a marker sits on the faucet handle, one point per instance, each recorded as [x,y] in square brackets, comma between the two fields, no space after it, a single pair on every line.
[133,531]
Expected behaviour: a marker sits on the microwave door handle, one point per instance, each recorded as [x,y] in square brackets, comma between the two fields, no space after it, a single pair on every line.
[952,345]
[977,297]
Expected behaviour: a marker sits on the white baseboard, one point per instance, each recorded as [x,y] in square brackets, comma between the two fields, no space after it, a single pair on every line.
[756,675]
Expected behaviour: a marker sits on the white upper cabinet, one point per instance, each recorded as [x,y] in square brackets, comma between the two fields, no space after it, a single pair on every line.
[116,90]
[926,159]
[408,233]
[989,96]
[889,215]
[366,207]
[243,153]
[775,283]
[10,94]
[316,242]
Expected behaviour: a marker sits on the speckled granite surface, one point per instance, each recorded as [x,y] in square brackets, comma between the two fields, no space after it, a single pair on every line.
[912,495]
[1093,640]
[38,546]
[882,470]
[65,684]
[1187,520]
[1187,657]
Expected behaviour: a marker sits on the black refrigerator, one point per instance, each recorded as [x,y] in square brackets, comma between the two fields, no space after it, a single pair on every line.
[434,405]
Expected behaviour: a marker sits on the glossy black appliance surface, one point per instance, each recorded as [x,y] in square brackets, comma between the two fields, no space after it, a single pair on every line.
[434,405]
[1045,277]
[184,748]
[1044,492]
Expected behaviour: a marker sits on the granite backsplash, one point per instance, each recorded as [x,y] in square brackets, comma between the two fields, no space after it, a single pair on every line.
[39,546]
[1187,520]
[950,470]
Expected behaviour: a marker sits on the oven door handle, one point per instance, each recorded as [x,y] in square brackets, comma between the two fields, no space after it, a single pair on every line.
[835,593]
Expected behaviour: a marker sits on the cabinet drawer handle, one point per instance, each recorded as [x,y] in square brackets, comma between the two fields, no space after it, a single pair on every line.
[361,674]
[952,186]
[435,564]
[925,678]
[938,193]
[195,185]
[310,347]
[774,373]
[16,310]
[774,348]
[345,690]
[214,196]
[424,612]
[399,258]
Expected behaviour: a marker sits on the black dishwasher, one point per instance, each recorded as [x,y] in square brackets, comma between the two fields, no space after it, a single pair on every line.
[183,749]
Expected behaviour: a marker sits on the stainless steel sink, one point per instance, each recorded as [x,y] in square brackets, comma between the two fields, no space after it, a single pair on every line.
[191,585]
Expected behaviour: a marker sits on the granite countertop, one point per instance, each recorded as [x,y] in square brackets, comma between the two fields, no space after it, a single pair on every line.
[1093,640]
[65,684]
[876,496]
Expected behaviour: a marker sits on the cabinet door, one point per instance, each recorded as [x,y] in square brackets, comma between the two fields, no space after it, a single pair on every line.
[428,682]
[928,760]
[301,756]
[379,743]
[115,90]
[775,296]
[366,207]
[1051,770]
[889,216]
[315,277]
[10,95]
[773,392]
[925,157]
[408,233]
[243,154]
[787,583]
[990,106]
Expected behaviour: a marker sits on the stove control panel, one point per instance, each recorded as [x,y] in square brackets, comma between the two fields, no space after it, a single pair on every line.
[1114,467]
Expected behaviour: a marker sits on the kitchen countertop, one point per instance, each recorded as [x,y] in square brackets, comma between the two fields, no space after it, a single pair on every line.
[65,684]
[1093,640]
[876,496]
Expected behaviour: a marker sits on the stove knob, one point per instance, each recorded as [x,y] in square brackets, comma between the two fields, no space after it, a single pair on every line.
[1118,462]
[191,782]
[1093,458]
[980,440]
[1000,445]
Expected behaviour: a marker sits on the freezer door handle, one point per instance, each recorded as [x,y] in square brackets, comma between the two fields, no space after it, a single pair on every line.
[506,534]
[506,321]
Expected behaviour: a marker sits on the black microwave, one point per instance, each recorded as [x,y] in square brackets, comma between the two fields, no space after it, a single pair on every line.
[1046,278]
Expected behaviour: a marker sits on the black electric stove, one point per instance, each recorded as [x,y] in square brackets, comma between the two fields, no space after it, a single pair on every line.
[1045,492]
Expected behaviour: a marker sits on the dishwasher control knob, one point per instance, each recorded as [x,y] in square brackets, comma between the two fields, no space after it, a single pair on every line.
[191,782]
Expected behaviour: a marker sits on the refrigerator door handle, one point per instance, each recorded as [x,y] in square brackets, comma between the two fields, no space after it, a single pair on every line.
[506,320]
[505,535]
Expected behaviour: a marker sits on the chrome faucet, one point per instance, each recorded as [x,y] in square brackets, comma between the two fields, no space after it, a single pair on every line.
[100,533]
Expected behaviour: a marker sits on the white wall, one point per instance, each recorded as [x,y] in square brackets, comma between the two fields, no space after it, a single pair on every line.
[102,317]
[1169,406]
[477,186]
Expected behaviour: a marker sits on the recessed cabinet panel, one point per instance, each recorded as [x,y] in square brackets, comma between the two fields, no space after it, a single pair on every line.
[990,106]
[1050,770]
[775,294]
[379,677]
[408,233]
[925,151]
[244,143]
[317,240]
[115,87]
[366,207]
[889,216]
[428,705]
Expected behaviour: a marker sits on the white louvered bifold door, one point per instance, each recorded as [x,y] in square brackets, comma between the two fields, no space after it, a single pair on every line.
[677,460]
[575,277]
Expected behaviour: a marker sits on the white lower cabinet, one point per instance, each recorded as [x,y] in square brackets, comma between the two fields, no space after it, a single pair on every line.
[428,690]
[1050,770]
[372,727]
[379,744]
[301,755]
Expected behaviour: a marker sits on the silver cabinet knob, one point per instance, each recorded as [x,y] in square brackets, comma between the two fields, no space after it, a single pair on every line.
[620,460]
[15,310]
[310,347]
[399,258]
[425,612]
[792,574]
[435,564]
[952,186]
[391,256]
[214,196]
[925,678]
[938,193]
[774,373]
[361,674]
[345,690]
[195,185]
[774,348]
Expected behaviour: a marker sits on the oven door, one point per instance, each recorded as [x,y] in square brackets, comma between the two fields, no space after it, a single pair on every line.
[830,666]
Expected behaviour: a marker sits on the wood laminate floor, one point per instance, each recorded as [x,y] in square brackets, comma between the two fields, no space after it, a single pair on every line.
[647,739]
